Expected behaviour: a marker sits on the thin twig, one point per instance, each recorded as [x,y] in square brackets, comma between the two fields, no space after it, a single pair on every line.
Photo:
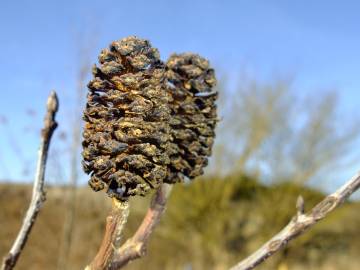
[115,223]
[113,257]
[300,223]
[38,193]
[135,247]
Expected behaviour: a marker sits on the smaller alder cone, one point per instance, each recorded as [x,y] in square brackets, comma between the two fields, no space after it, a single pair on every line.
[190,82]
[126,134]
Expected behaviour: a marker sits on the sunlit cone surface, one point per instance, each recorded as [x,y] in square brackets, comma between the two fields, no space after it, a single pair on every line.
[126,133]
[190,80]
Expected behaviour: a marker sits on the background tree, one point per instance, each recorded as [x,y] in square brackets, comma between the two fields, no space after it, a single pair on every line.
[272,130]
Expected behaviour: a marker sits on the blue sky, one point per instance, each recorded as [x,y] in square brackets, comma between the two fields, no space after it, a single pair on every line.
[317,41]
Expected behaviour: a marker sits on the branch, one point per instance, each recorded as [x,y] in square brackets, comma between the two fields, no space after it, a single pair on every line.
[111,255]
[38,193]
[135,247]
[115,223]
[300,223]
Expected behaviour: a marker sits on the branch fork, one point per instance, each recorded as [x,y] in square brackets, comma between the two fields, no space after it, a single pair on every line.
[113,256]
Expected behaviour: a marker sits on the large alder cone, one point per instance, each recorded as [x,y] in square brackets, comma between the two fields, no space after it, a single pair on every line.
[126,134]
[190,81]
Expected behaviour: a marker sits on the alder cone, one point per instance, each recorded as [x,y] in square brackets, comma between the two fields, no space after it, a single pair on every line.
[126,134]
[190,81]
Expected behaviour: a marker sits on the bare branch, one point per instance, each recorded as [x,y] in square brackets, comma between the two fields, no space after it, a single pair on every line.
[115,224]
[111,255]
[300,223]
[135,247]
[38,193]
[300,206]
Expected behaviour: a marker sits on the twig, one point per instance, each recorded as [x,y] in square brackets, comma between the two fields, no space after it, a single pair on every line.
[38,193]
[110,255]
[300,223]
[115,223]
[135,247]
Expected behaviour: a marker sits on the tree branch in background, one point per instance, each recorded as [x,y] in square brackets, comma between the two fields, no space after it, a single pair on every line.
[300,223]
[38,193]
[281,133]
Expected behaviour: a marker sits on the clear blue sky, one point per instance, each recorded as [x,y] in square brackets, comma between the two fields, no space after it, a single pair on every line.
[318,41]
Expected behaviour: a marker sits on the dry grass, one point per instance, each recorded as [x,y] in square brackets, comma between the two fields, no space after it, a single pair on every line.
[165,251]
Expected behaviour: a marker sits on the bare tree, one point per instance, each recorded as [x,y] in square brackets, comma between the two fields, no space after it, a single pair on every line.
[38,194]
[272,129]
[323,140]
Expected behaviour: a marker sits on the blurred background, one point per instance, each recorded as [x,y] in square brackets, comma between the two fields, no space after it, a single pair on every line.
[288,78]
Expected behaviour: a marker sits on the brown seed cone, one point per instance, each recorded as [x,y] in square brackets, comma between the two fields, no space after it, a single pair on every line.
[126,134]
[190,81]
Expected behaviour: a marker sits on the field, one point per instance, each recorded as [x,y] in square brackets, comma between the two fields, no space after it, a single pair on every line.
[212,232]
